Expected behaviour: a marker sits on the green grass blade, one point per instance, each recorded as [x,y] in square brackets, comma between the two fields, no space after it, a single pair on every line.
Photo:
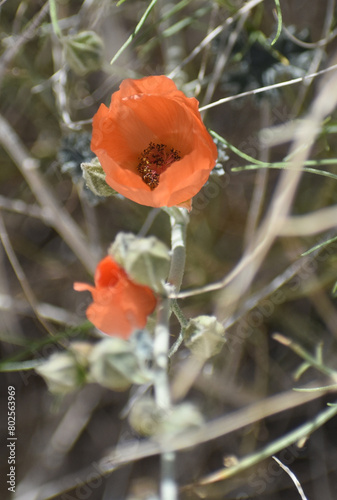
[279,21]
[274,447]
[138,27]
[54,19]
[284,166]
[34,346]
[237,151]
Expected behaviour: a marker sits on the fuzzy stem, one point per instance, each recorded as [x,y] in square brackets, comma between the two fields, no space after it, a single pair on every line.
[168,487]
[160,348]
[178,219]
[183,323]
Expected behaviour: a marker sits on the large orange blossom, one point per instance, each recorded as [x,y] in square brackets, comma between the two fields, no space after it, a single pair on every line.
[152,143]
[120,305]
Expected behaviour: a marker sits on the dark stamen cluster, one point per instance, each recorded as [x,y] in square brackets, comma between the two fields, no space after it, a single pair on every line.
[154,160]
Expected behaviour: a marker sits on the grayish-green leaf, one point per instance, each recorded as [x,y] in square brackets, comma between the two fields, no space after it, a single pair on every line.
[94,177]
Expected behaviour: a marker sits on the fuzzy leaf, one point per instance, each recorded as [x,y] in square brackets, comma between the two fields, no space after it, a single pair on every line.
[94,177]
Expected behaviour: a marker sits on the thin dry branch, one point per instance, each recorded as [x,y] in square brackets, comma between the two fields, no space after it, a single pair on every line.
[30,296]
[57,216]
[312,223]
[277,217]
[20,207]
[136,450]
[64,437]
[260,90]
[248,6]
[27,34]
[42,309]
[280,207]
[222,58]
[293,477]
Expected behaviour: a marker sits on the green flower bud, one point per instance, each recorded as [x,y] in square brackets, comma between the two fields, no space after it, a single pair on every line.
[204,336]
[83,52]
[146,260]
[94,177]
[81,352]
[179,419]
[65,372]
[149,420]
[113,363]
[145,416]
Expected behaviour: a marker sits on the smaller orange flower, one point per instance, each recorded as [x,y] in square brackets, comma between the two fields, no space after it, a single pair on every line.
[120,305]
[152,143]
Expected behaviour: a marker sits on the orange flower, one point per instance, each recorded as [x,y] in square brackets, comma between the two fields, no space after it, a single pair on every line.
[152,143]
[119,304]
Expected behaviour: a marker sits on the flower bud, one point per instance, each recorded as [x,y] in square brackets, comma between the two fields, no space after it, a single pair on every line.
[180,418]
[65,372]
[81,352]
[83,52]
[204,336]
[145,416]
[146,260]
[149,420]
[114,364]
[94,177]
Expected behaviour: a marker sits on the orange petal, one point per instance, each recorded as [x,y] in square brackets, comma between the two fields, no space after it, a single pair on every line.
[148,110]
[169,122]
[107,273]
[105,319]
[119,305]
[153,85]
[82,287]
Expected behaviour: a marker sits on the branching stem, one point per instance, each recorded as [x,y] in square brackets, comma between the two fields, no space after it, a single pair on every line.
[178,219]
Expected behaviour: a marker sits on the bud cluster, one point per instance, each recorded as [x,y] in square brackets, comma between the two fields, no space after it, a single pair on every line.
[112,362]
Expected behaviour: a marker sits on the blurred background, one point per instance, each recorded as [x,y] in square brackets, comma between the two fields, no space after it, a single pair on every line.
[54,230]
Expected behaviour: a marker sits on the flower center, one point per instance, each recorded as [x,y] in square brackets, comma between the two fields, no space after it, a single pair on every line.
[154,160]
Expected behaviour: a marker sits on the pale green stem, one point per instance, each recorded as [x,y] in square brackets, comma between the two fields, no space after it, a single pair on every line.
[168,487]
[178,313]
[160,351]
[183,323]
[178,219]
